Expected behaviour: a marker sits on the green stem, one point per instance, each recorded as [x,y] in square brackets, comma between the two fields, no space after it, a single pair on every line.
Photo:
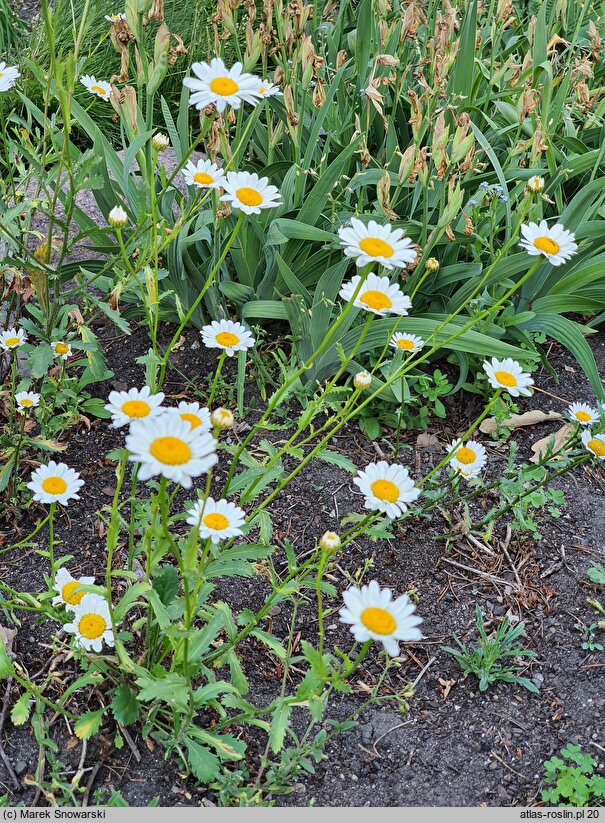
[198,300]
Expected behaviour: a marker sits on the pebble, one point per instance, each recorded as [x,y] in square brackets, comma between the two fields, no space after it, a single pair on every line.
[20,767]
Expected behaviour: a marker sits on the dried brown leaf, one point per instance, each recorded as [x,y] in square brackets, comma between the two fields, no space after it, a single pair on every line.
[528,418]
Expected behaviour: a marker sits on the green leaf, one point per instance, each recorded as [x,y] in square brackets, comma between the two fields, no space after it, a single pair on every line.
[337,459]
[279,724]
[171,689]
[21,709]
[6,667]
[202,762]
[166,583]
[89,724]
[464,63]
[39,360]
[125,706]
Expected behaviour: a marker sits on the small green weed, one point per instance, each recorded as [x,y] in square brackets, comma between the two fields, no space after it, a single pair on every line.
[486,659]
[572,782]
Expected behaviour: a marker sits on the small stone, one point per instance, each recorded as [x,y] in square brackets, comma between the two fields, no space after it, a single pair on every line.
[20,767]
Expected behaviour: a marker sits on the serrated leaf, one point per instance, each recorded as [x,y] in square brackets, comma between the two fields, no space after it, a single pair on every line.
[172,689]
[202,762]
[89,724]
[125,706]
[279,724]
[21,709]
[39,360]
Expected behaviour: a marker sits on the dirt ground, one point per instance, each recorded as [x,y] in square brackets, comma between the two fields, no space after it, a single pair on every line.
[455,746]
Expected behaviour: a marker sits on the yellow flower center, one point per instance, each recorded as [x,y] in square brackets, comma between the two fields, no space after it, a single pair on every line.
[597,446]
[583,416]
[216,521]
[379,621]
[375,300]
[193,420]
[465,455]
[224,86]
[506,378]
[202,178]
[262,90]
[546,245]
[69,593]
[385,490]
[99,90]
[248,196]
[226,339]
[1,74]
[26,402]
[61,348]
[405,343]
[136,408]
[172,451]
[92,626]
[12,341]
[54,485]
[375,247]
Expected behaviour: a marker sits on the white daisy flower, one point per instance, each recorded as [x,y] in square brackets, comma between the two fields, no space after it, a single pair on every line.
[113,18]
[408,343]
[535,183]
[215,83]
[66,586]
[508,374]
[387,488]
[194,414]
[55,483]
[94,86]
[27,400]
[12,339]
[8,76]
[583,414]
[268,89]
[377,295]
[249,192]
[376,244]
[61,350]
[469,458]
[217,519]
[374,615]
[228,336]
[555,243]
[171,448]
[594,443]
[134,404]
[117,217]
[91,623]
[204,174]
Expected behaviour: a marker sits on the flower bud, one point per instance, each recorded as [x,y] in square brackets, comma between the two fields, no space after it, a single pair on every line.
[362,380]
[117,217]
[160,141]
[535,184]
[330,542]
[432,264]
[222,418]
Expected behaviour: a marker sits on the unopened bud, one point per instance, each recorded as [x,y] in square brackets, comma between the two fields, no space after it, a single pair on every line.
[330,542]
[535,184]
[117,217]
[160,142]
[222,418]
[362,380]
[432,264]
